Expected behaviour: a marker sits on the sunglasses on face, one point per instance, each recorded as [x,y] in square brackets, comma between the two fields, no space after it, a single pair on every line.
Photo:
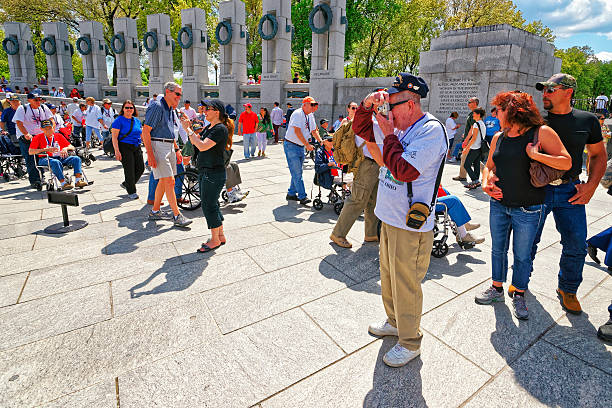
[128,107]
[393,105]
[178,94]
[552,90]
[314,104]
[353,108]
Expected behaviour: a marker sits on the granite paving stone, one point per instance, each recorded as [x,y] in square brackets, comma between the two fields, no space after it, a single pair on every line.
[171,282]
[17,245]
[577,335]
[546,376]
[245,302]
[10,288]
[460,269]
[237,370]
[104,268]
[438,378]
[47,369]
[101,395]
[30,321]
[19,216]
[490,335]
[359,262]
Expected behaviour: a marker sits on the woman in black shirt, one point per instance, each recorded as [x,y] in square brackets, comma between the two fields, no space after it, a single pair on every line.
[211,167]
[516,205]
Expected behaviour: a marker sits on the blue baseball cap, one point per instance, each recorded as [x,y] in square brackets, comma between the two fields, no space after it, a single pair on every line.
[409,82]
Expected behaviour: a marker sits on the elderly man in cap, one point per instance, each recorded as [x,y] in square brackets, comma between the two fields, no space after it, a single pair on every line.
[247,125]
[414,149]
[568,196]
[27,120]
[54,150]
[300,128]
[60,92]
[108,117]
[6,119]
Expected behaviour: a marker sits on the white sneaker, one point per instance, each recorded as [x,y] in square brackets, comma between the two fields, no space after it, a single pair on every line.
[399,356]
[233,197]
[382,329]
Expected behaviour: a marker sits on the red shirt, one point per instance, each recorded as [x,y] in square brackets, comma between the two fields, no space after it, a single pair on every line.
[249,121]
[40,142]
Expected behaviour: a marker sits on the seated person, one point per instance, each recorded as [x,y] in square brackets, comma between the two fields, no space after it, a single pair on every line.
[325,167]
[459,215]
[324,129]
[55,152]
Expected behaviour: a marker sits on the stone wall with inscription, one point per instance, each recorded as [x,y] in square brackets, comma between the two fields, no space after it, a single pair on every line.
[481,62]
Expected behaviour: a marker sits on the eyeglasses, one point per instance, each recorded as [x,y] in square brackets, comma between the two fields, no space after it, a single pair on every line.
[314,104]
[393,105]
[178,94]
[550,90]
[128,107]
[353,108]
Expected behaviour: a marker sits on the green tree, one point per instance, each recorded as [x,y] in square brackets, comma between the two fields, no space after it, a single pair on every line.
[581,63]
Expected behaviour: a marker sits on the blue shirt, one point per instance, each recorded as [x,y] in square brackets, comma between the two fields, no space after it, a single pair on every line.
[7,118]
[123,124]
[162,120]
[493,126]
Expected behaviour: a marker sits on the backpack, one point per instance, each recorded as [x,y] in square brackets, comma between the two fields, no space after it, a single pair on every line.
[345,148]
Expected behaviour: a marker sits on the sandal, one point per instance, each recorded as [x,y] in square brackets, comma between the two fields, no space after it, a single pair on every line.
[474,185]
[205,248]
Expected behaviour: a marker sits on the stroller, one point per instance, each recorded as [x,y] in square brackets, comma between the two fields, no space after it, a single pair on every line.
[11,161]
[336,197]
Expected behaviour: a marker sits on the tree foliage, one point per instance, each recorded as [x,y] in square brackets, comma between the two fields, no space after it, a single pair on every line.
[593,76]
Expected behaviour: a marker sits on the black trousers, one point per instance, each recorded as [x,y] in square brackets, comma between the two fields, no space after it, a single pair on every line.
[133,165]
[472,164]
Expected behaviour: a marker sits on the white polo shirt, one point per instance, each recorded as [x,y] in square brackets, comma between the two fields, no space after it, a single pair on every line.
[306,123]
[425,146]
[31,118]
[92,115]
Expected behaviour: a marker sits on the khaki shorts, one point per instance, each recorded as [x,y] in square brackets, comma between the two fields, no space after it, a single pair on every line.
[165,158]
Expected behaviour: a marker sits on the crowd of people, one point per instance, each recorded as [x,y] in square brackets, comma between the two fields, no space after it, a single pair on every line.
[528,163]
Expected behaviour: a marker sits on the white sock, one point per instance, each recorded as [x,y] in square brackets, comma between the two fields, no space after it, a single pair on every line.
[461,231]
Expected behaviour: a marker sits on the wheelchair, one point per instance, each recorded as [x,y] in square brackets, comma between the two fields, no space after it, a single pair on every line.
[443,224]
[53,184]
[81,150]
[11,161]
[191,189]
[334,198]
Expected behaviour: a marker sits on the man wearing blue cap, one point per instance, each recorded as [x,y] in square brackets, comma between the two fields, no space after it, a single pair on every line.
[414,149]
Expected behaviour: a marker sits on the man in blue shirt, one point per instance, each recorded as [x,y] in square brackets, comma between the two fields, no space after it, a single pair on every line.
[492,124]
[158,136]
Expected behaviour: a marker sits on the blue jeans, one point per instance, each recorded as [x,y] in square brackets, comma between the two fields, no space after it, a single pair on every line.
[88,131]
[456,210]
[33,175]
[458,140]
[57,164]
[603,241]
[249,141]
[524,223]
[178,183]
[295,161]
[570,221]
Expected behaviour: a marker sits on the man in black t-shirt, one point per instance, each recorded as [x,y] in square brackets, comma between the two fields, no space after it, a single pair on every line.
[567,197]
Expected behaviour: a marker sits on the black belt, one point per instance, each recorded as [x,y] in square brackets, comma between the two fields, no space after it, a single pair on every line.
[157,139]
[289,141]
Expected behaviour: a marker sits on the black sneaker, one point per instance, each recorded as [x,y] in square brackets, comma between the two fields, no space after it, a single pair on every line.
[592,251]
[291,197]
[605,331]
[305,201]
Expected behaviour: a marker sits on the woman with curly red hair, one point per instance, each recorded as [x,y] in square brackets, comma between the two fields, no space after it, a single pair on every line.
[516,205]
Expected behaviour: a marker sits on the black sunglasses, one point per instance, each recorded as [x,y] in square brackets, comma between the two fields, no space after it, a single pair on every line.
[393,105]
[314,104]
[128,107]
[178,94]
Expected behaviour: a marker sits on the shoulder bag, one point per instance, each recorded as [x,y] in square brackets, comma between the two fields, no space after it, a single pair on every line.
[540,173]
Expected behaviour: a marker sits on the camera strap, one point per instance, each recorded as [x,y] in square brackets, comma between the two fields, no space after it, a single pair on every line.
[439,176]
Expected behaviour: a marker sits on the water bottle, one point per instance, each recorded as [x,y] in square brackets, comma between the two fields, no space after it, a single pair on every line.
[57,146]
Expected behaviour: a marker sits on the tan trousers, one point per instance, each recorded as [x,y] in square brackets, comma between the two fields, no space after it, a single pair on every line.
[362,199]
[404,259]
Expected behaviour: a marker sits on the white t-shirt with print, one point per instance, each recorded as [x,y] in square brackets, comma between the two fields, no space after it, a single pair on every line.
[425,146]
[450,128]
[31,118]
[298,120]
[92,115]
[482,130]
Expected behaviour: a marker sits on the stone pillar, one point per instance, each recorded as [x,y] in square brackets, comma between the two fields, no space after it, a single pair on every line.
[233,54]
[21,65]
[327,64]
[94,61]
[160,59]
[128,64]
[195,57]
[59,62]
[276,52]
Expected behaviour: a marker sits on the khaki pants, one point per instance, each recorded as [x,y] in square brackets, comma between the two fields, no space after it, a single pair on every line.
[404,259]
[362,199]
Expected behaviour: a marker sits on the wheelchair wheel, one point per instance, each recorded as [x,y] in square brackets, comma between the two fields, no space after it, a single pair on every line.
[86,161]
[317,204]
[38,186]
[224,196]
[439,249]
[333,197]
[191,191]
[338,207]
[50,187]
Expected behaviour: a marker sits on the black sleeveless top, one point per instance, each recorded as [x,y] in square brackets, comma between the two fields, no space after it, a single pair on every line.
[512,168]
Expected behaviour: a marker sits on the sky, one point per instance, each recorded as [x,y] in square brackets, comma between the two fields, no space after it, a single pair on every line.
[575,22]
